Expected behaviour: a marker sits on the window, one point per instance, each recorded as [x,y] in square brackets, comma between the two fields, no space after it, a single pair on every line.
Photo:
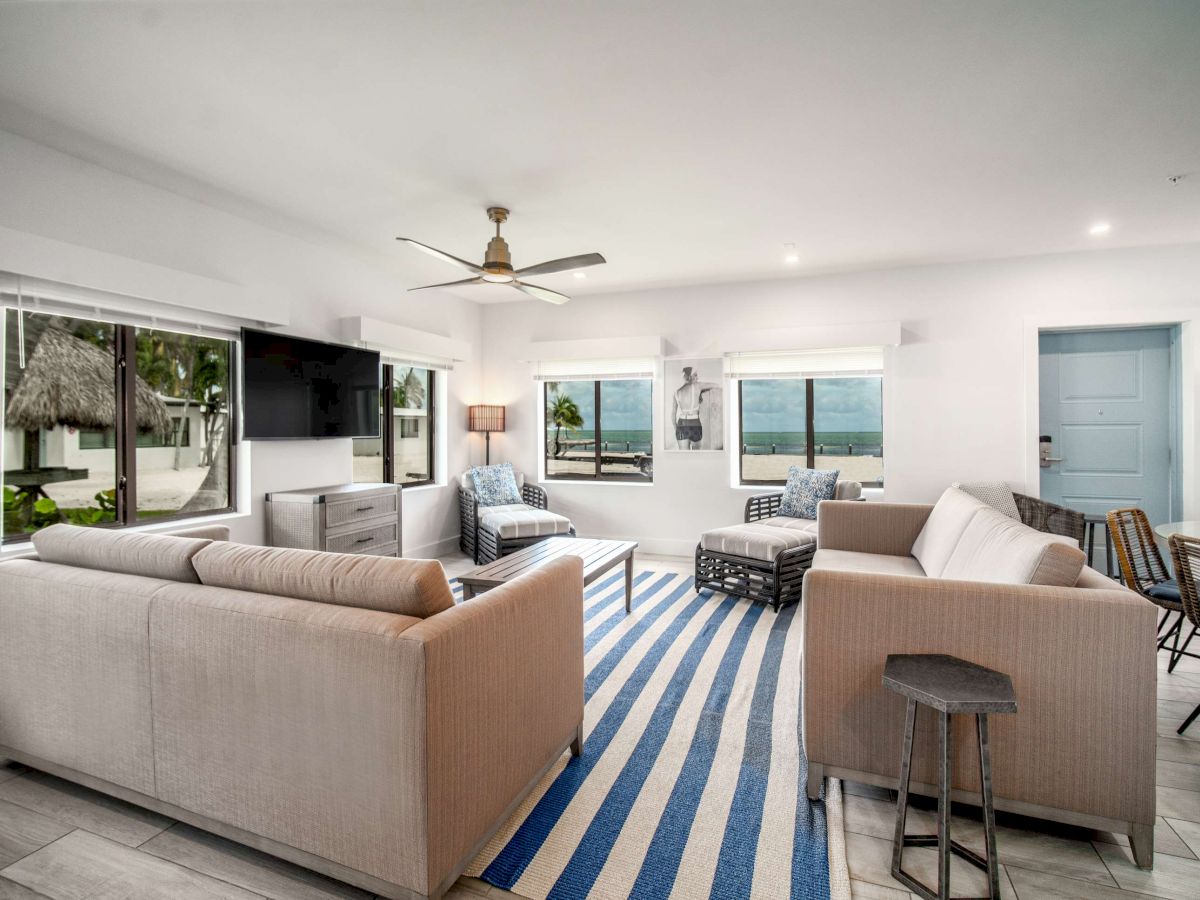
[815,423]
[106,438]
[599,430]
[73,450]
[403,453]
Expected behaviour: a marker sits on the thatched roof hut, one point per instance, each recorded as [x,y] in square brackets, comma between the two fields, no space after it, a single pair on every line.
[68,381]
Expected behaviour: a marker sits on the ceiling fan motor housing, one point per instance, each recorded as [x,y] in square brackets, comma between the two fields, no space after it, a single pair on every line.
[497,258]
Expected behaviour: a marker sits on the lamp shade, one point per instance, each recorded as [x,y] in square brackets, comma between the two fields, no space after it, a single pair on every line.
[485,418]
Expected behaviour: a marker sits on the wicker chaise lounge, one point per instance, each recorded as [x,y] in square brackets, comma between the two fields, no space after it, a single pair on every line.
[765,558]
[488,533]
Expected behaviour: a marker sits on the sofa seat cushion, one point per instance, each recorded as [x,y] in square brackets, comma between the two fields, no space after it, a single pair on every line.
[516,520]
[406,587]
[809,525]
[122,552]
[995,548]
[756,540]
[873,563]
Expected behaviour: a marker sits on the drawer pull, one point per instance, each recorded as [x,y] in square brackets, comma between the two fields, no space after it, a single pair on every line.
[362,508]
[364,540]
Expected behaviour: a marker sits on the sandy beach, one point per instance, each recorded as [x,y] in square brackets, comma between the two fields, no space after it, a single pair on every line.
[763,467]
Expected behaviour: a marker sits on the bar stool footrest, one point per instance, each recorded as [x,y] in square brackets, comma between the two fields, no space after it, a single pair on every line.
[931,840]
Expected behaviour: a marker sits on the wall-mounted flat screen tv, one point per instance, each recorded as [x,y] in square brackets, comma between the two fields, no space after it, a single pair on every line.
[295,388]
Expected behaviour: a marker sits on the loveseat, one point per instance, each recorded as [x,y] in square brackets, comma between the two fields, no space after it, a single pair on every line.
[337,711]
[963,579]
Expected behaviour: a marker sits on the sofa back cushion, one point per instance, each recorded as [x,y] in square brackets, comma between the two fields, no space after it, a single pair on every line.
[995,548]
[407,587]
[947,521]
[123,552]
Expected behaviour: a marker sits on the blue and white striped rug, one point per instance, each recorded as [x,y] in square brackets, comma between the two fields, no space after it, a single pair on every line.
[692,780]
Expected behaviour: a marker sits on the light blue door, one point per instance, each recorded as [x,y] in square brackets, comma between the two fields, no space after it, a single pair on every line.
[1105,404]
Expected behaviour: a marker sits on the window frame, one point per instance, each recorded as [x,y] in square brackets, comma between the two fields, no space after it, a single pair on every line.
[598,475]
[125,429]
[810,450]
[387,425]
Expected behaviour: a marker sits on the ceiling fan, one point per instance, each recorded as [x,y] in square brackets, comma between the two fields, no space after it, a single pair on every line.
[497,265]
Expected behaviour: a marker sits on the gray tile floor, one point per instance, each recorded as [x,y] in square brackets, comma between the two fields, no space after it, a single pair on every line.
[65,842]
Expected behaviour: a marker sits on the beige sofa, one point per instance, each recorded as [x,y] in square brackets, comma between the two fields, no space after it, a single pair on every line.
[337,711]
[961,578]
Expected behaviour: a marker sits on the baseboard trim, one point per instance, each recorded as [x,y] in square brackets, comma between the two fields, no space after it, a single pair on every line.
[432,550]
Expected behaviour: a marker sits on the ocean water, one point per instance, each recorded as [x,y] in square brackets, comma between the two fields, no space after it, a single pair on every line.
[834,443]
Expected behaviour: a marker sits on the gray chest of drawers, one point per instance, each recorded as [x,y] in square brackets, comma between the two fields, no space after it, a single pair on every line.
[341,518]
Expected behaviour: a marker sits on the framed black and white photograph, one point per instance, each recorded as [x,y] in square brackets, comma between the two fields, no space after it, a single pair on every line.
[694,391]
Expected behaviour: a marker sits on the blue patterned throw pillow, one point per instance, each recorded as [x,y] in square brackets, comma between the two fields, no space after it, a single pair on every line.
[806,488]
[496,485]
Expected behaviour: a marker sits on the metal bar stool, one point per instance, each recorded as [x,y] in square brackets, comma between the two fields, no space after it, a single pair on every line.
[950,686]
[1091,523]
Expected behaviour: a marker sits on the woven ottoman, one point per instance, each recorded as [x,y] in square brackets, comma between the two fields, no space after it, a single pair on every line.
[756,560]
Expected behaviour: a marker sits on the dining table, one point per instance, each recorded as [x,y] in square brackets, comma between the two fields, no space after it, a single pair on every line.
[1190,528]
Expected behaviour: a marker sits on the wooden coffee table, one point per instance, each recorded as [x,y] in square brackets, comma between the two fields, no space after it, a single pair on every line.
[598,557]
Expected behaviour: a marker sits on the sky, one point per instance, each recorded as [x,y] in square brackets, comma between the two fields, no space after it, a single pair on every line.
[842,404]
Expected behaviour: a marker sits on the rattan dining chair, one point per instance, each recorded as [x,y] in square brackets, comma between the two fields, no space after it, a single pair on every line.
[1185,557]
[1143,570]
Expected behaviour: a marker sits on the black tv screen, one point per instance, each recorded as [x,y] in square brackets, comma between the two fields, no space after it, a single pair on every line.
[296,388]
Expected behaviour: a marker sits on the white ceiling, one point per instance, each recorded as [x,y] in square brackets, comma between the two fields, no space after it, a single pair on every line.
[686,141]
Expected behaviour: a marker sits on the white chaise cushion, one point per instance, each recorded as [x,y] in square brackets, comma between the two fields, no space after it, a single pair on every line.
[847,490]
[995,548]
[945,525]
[809,525]
[756,540]
[516,520]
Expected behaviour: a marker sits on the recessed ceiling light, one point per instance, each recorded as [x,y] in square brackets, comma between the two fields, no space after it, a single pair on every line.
[1100,228]
[581,274]
[790,256]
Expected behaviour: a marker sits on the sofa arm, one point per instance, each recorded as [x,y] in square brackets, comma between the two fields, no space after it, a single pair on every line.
[886,528]
[504,694]
[1082,662]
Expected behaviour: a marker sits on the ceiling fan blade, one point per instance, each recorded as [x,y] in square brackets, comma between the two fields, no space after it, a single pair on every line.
[540,292]
[426,287]
[562,265]
[443,256]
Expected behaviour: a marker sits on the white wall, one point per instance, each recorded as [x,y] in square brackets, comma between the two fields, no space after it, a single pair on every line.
[48,194]
[955,393]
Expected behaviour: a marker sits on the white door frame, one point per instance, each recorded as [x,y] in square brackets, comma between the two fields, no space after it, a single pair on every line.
[1188,321]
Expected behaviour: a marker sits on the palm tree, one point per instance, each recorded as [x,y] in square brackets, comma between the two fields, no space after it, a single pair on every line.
[564,413]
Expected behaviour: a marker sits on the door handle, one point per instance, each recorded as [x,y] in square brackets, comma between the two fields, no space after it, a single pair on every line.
[1046,460]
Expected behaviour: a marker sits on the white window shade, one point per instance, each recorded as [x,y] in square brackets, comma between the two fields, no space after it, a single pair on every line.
[35,295]
[415,361]
[843,362]
[595,369]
